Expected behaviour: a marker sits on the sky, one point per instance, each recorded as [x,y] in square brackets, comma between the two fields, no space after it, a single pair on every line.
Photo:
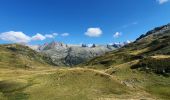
[79,21]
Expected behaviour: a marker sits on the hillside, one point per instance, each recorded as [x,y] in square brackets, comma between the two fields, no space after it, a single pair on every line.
[19,81]
[151,48]
[137,71]
[19,56]
[65,84]
[27,75]
[144,63]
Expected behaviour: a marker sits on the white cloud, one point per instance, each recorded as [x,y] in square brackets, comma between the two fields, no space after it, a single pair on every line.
[55,34]
[128,41]
[93,32]
[38,36]
[162,1]
[49,35]
[16,37]
[65,34]
[20,37]
[117,34]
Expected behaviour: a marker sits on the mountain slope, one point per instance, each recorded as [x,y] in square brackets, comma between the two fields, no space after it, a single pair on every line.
[19,56]
[155,44]
[138,71]
[65,84]
[143,64]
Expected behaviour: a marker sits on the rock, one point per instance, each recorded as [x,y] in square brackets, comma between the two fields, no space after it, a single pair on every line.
[69,55]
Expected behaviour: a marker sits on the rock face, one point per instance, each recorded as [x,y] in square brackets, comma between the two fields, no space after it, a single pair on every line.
[69,55]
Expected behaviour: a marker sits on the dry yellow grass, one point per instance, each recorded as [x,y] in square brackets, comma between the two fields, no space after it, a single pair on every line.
[64,84]
[138,52]
[161,56]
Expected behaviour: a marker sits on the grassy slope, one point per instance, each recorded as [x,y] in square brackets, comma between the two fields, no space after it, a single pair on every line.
[64,84]
[18,56]
[151,45]
[45,83]
[143,64]
[113,79]
[156,85]
[24,74]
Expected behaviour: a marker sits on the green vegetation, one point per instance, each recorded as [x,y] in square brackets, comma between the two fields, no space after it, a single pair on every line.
[156,65]
[18,56]
[143,64]
[75,84]
[154,84]
[137,71]
[63,84]
[45,82]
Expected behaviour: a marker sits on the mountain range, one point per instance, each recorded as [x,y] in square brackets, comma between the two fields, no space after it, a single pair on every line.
[70,55]
[139,70]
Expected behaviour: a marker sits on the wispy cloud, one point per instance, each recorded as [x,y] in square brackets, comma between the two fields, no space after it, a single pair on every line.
[55,34]
[49,36]
[162,1]
[117,34]
[94,32]
[130,24]
[65,34]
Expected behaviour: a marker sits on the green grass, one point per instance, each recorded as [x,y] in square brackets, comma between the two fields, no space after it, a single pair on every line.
[72,84]
[111,76]
[12,89]
[156,85]
[143,64]
[62,84]
[157,65]
[75,85]
[18,56]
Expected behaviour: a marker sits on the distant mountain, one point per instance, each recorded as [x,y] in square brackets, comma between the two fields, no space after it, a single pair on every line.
[119,45]
[152,50]
[52,45]
[69,55]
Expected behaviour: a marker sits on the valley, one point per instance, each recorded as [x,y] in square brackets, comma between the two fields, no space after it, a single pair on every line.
[137,71]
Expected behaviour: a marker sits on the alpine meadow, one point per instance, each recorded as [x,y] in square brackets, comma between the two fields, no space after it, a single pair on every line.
[84,50]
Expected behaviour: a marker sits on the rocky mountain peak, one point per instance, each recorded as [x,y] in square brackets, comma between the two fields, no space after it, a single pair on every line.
[52,45]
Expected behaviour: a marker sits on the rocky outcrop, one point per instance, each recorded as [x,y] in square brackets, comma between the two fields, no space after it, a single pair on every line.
[69,55]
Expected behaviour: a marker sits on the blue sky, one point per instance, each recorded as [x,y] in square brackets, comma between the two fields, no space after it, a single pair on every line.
[79,21]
